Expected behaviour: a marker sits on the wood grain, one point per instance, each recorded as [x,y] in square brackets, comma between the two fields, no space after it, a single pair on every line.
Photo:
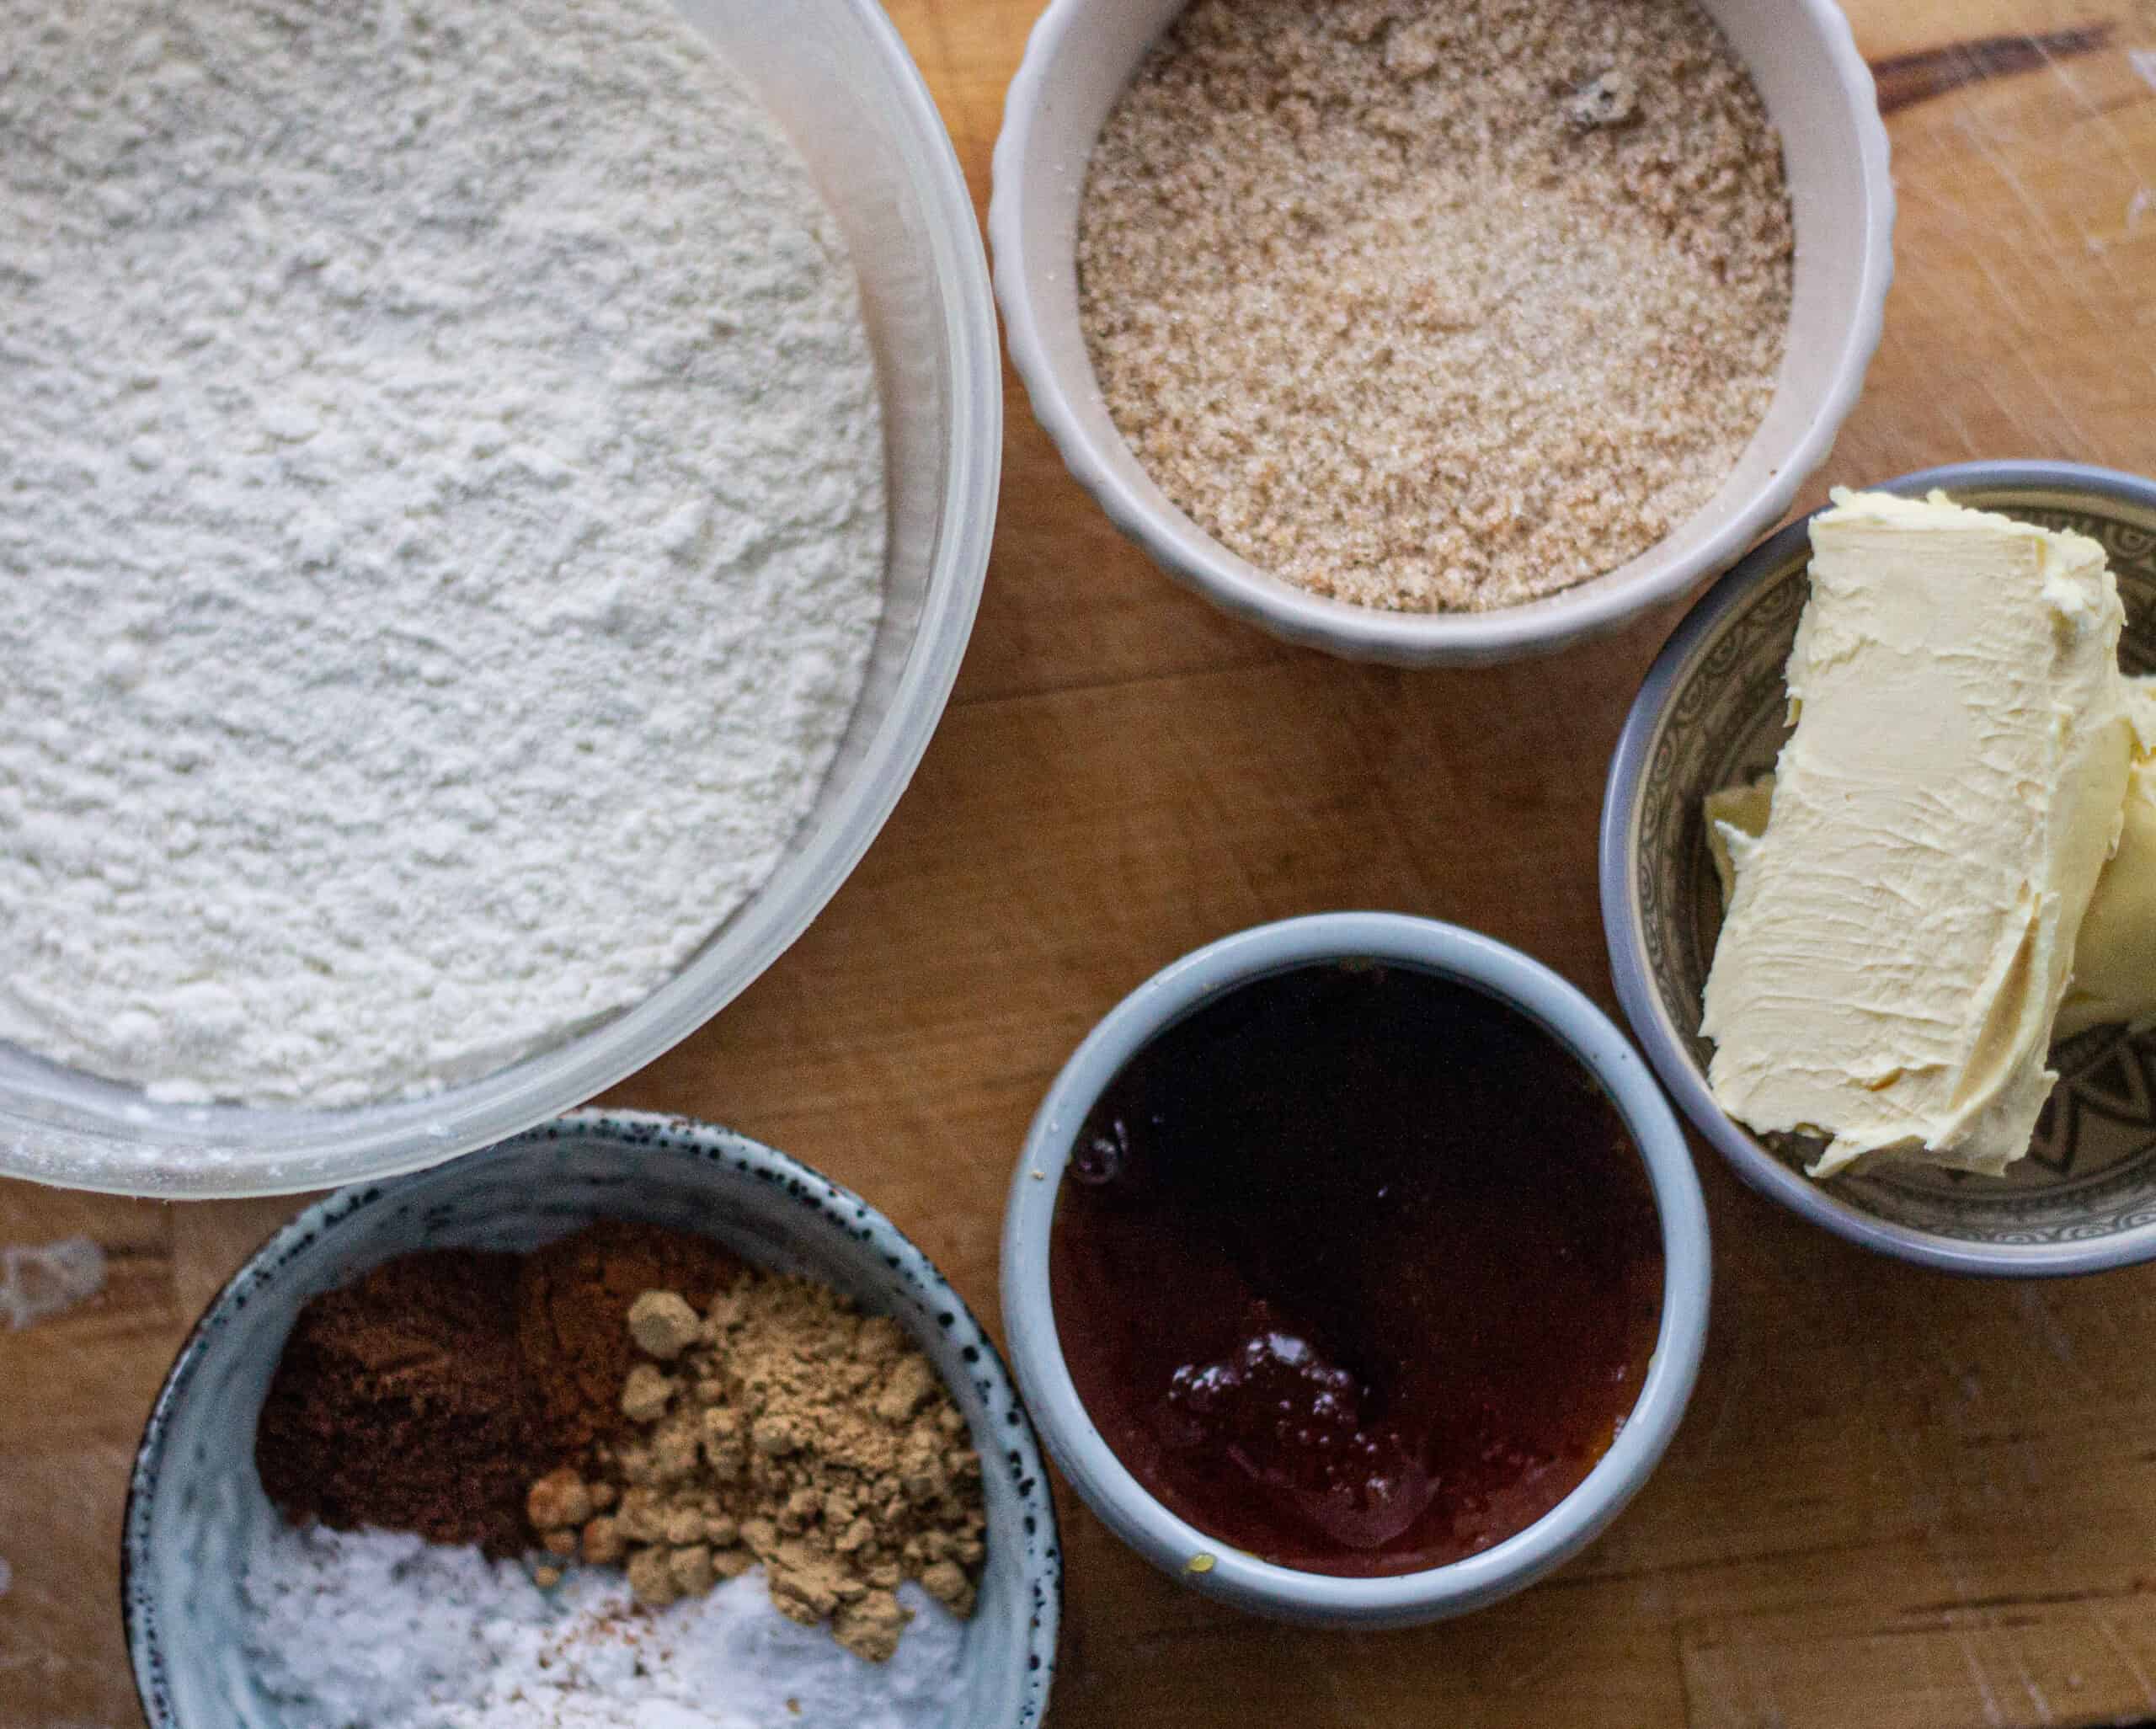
[1900,1500]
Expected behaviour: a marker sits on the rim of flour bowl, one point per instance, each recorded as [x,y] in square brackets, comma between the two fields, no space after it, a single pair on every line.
[293,1149]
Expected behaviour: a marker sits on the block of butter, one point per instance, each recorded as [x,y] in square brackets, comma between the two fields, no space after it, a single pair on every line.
[2114,978]
[1900,938]
[2114,957]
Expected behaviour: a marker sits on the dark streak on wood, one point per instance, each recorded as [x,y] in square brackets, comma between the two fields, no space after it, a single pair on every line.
[2017,1600]
[1907,79]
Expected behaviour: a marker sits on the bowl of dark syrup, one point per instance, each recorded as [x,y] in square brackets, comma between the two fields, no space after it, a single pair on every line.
[1355,1270]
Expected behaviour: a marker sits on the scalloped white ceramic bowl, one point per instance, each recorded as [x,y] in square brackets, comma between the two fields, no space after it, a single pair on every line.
[839,80]
[1820,94]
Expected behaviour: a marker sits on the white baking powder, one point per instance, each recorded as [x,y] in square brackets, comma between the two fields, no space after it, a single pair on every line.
[442,528]
[377,1629]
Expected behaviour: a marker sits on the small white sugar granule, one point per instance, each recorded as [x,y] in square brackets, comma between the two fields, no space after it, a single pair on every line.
[375,1630]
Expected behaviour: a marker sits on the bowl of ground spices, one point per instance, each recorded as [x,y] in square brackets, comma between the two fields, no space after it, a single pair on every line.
[1438,333]
[627,1421]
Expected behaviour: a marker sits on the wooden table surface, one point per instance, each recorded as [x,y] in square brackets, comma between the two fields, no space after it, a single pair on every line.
[1899,1499]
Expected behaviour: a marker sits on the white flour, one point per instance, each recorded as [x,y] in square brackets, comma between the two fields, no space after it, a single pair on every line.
[38,1280]
[442,528]
[376,1630]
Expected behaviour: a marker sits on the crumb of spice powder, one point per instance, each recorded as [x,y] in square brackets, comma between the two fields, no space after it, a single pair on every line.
[1437,305]
[782,1426]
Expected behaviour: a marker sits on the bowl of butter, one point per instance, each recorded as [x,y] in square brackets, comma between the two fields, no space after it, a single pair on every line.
[1878,867]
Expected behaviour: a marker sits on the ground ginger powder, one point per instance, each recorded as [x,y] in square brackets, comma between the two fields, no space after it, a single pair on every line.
[782,1426]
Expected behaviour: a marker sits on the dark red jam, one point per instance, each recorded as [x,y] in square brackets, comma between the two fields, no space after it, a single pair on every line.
[1357,1269]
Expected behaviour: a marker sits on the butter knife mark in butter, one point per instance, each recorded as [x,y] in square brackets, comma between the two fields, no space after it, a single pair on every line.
[2114,978]
[1899,936]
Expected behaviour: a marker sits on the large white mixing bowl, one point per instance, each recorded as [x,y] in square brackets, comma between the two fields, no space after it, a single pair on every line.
[840,80]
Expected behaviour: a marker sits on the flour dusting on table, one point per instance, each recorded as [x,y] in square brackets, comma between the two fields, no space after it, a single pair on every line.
[39,1280]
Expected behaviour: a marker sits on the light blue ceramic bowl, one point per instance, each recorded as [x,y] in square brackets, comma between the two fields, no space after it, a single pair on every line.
[193,1502]
[1122,1502]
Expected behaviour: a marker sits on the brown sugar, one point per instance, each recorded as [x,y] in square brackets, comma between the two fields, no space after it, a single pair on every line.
[573,1306]
[401,1401]
[786,1427]
[1437,304]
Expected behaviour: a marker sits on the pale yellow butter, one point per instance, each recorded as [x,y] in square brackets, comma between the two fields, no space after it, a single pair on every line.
[2115,956]
[1900,937]
[2114,978]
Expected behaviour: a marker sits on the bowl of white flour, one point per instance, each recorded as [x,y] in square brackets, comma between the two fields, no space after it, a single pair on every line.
[496,496]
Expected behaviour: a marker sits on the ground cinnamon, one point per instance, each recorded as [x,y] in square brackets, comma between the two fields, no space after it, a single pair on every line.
[401,1402]
[429,1394]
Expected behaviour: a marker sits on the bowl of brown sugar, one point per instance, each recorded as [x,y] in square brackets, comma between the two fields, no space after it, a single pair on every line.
[1442,334]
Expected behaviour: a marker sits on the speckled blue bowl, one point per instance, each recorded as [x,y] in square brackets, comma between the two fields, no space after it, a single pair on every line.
[194,1502]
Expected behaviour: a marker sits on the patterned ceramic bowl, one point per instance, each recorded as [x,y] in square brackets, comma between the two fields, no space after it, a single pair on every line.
[195,1502]
[1711,713]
